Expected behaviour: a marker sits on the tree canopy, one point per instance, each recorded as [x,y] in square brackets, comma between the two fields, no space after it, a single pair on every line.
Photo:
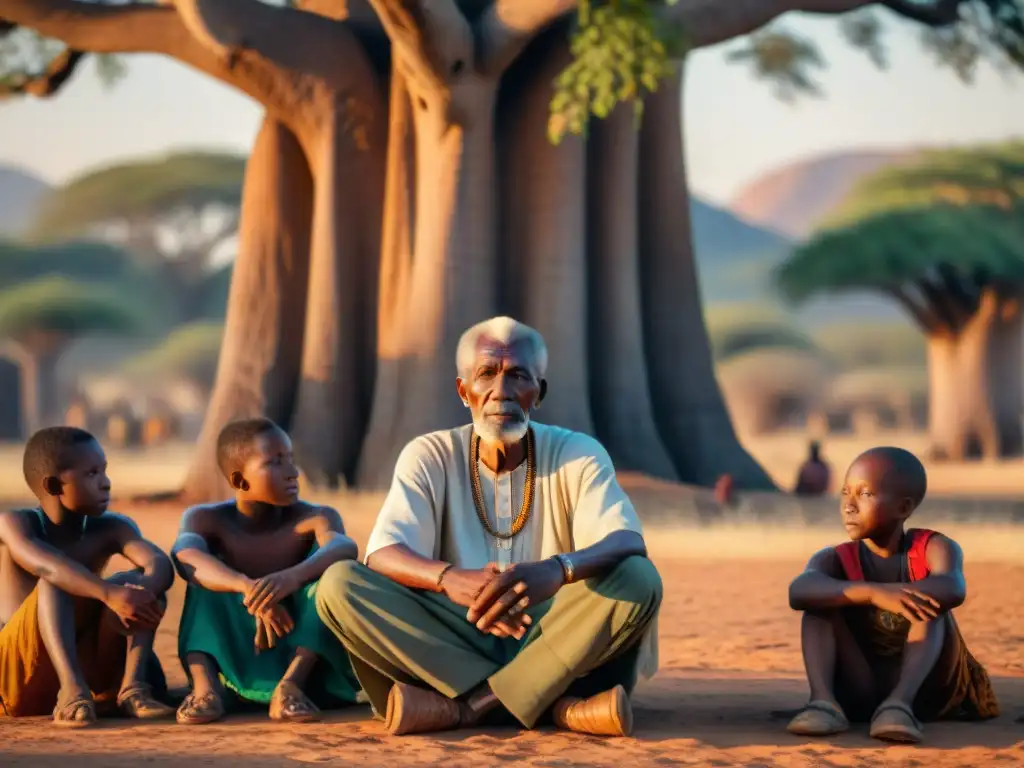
[988,175]
[621,49]
[62,307]
[189,351]
[81,260]
[935,261]
[140,190]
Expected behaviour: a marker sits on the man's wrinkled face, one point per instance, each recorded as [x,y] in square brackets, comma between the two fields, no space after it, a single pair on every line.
[501,390]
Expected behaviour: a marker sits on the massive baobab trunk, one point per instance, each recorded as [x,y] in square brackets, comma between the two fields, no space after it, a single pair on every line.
[258,371]
[974,370]
[342,323]
[975,382]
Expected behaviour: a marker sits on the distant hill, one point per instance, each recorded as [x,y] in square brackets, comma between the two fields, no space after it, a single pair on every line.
[734,263]
[20,195]
[793,199]
[733,256]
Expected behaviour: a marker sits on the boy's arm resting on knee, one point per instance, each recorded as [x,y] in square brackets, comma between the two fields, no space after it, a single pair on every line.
[194,561]
[333,545]
[47,563]
[820,587]
[157,571]
[945,582]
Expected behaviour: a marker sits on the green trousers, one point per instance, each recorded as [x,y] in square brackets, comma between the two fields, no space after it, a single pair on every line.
[219,625]
[583,641]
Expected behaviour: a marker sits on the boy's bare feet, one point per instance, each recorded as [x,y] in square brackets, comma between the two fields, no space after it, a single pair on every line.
[74,710]
[201,708]
[290,704]
[138,701]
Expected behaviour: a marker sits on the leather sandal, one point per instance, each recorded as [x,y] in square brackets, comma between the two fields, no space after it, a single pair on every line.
[289,704]
[606,714]
[80,712]
[418,710]
[139,702]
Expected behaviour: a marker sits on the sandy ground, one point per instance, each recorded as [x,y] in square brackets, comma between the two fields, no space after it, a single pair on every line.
[729,655]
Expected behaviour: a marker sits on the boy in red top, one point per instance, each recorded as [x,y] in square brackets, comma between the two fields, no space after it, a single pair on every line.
[879,640]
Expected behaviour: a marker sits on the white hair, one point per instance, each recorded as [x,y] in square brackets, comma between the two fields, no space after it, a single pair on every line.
[504,330]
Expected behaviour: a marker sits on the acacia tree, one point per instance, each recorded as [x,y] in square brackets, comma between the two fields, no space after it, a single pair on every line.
[959,273]
[172,214]
[39,319]
[408,141]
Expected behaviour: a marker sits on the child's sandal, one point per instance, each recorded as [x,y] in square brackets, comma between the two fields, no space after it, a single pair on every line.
[200,710]
[895,721]
[77,713]
[290,704]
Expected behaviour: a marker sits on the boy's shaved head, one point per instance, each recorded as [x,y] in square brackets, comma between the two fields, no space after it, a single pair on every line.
[899,470]
[49,452]
[237,443]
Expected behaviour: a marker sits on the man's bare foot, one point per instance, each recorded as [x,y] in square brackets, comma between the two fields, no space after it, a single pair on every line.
[290,704]
[138,701]
[201,708]
[74,710]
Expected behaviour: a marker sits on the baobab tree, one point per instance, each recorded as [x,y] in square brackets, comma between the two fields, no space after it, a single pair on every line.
[959,273]
[413,191]
[174,214]
[38,320]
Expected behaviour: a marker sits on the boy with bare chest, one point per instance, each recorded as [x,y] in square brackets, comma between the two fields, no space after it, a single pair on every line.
[879,639]
[252,565]
[70,641]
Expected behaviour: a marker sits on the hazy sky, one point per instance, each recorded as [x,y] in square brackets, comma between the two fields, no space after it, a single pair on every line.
[735,128]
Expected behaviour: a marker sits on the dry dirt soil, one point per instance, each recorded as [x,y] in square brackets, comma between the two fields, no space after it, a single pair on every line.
[729,656]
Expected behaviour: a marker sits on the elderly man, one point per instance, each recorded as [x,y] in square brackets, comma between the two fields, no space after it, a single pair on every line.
[506,571]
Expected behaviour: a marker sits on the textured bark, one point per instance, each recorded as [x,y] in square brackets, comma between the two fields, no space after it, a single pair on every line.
[258,370]
[688,406]
[543,237]
[1006,382]
[341,314]
[39,387]
[395,277]
[962,409]
[618,370]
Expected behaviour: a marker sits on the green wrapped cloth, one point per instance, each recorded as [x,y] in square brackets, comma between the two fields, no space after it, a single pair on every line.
[218,624]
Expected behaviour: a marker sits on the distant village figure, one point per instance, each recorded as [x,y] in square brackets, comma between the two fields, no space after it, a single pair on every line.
[815,475]
[78,414]
[724,490]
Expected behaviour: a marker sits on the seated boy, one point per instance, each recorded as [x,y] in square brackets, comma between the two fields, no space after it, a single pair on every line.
[70,640]
[879,641]
[252,566]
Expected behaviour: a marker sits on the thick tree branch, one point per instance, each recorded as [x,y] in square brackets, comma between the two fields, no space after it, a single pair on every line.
[958,292]
[938,14]
[431,38]
[285,53]
[509,25]
[49,82]
[925,317]
[942,304]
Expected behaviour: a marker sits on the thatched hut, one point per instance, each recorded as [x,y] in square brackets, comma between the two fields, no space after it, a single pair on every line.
[772,389]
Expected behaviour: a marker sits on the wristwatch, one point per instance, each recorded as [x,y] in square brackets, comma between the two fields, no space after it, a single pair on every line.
[567,568]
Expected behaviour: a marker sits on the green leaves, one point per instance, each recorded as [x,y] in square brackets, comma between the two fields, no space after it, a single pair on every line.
[61,307]
[980,244]
[621,51]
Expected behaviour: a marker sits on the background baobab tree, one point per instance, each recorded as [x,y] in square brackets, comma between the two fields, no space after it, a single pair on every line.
[943,236]
[412,189]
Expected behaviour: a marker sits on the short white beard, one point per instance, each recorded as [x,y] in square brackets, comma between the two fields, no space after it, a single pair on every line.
[508,435]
